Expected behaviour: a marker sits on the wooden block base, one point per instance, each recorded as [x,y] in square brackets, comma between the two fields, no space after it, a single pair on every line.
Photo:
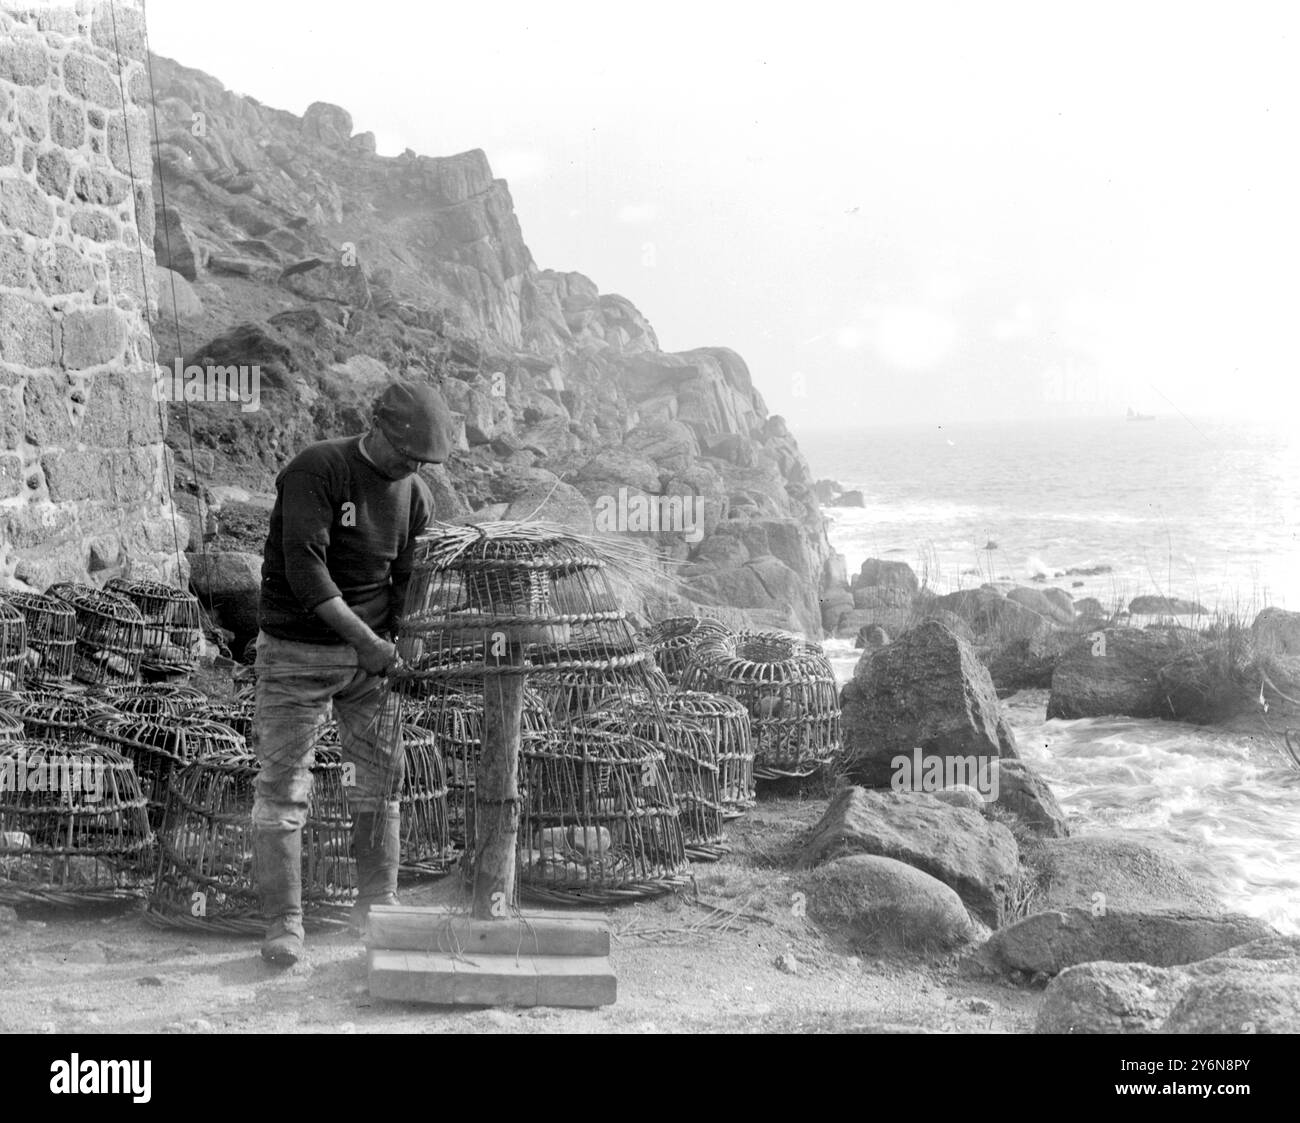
[403,928]
[492,980]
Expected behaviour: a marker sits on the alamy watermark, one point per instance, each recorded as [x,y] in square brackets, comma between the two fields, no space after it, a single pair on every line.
[651,514]
[920,773]
[210,383]
[52,771]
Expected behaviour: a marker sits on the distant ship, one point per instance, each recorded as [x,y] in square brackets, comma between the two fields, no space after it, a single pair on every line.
[1133,415]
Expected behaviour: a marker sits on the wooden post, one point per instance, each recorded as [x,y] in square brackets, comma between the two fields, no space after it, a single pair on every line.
[496,817]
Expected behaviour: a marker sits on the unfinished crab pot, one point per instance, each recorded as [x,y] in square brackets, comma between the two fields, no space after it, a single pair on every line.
[600,819]
[499,604]
[73,826]
[51,636]
[173,632]
[788,689]
[673,642]
[13,647]
[689,758]
[110,635]
[161,745]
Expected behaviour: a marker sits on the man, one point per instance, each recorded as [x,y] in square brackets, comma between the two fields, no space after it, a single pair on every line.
[334,575]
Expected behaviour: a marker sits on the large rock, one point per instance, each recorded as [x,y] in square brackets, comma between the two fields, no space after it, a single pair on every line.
[926,690]
[1049,942]
[1114,671]
[1251,988]
[176,297]
[174,244]
[1039,601]
[1112,869]
[977,858]
[1276,632]
[877,902]
[887,574]
[1027,796]
[231,582]
[1165,606]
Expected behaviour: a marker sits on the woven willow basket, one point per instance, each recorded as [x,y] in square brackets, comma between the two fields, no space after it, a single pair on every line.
[173,632]
[110,635]
[675,640]
[51,636]
[600,820]
[73,826]
[13,647]
[788,689]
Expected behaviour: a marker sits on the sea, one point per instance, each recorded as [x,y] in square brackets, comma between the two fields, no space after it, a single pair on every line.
[1206,509]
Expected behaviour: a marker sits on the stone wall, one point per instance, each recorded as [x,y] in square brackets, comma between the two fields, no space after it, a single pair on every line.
[84,474]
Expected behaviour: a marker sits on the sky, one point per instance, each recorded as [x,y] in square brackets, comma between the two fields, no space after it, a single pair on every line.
[896,212]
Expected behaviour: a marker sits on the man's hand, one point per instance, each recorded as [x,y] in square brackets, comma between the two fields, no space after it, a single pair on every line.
[375,655]
[377,658]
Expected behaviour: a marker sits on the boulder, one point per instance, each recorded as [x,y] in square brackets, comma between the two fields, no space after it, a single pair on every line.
[878,903]
[176,297]
[1026,795]
[174,244]
[317,279]
[926,690]
[231,582]
[1250,988]
[977,858]
[1109,998]
[1047,606]
[848,499]
[878,573]
[1276,632]
[827,491]
[1113,869]
[1165,606]
[891,608]
[949,620]
[1049,942]
[833,604]
[1089,608]
[1114,671]
[871,636]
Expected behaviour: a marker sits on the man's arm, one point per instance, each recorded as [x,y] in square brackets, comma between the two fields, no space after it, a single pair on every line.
[375,655]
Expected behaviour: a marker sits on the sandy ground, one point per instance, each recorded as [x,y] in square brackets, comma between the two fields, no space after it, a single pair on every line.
[704,961]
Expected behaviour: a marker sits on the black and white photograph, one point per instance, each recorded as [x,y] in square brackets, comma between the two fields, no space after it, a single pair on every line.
[658,519]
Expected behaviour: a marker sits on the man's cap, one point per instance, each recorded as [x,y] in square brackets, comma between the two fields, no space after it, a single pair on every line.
[415,419]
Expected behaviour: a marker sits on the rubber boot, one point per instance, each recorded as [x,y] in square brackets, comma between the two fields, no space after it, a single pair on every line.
[279,882]
[377,845]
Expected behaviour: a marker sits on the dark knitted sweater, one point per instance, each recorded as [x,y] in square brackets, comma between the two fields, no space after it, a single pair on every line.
[338,528]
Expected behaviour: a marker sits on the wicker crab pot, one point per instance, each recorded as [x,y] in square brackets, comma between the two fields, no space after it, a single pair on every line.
[788,689]
[183,695]
[206,878]
[689,760]
[675,640]
[11,727]
[173,633]
[51,636]
[161,745]
[73,827]
[234,712]
[426,844]
[13,647]
[58,717]
[731,745]
[491,606]
[110,635]
[454,717]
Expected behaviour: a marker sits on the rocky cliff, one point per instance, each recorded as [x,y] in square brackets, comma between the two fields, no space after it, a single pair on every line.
[288,243]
